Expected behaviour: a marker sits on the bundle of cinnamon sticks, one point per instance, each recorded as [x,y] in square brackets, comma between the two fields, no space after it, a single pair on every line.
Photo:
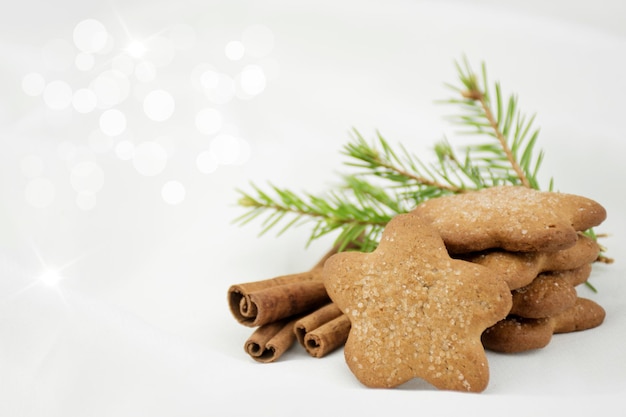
[286,309]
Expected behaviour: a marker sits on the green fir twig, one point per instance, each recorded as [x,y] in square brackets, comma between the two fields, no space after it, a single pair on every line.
[512,157]
[359,213]
[386,181]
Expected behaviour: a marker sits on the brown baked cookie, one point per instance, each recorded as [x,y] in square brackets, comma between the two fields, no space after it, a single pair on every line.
[546,296]
[414,311]
[574,277]
[516,334]
[512,218]
[519,269]
[585,314]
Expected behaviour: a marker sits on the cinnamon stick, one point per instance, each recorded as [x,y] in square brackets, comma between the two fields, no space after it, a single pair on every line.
[268,342]
[314,320]
[279,302]
[323,330]
[261,302]
[328,337]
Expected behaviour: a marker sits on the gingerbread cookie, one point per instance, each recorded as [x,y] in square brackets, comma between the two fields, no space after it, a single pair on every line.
[516,334]
[546,296]
[512,218]
[574,277]
[415,312]
[549,294]
[585,314]
[518,269]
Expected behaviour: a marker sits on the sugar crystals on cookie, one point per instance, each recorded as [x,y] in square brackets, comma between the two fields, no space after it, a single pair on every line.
[512,218]
[415,312]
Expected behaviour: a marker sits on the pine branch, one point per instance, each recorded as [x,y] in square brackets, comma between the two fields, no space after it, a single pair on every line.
[359,213]
[512,155]
[389,181]
[385,163]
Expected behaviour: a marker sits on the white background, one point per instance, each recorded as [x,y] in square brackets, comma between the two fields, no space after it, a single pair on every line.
[121,199]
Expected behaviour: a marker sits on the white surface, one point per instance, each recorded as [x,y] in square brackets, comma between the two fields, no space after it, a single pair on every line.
[138,232]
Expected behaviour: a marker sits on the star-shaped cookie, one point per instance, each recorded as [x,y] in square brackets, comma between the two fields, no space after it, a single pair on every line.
[513,218]
[519,269]
[415,312]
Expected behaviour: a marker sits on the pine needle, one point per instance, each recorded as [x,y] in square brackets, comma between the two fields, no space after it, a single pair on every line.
[386,180]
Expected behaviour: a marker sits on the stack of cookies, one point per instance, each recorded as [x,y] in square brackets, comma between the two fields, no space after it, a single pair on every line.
[534,242]
[493,269]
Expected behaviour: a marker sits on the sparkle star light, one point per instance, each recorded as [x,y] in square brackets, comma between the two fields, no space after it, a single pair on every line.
[50,277]
[47,276]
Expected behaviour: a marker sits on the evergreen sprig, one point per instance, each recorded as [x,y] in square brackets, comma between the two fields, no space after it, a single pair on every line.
[512,157]
[386,181]
[359,210]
